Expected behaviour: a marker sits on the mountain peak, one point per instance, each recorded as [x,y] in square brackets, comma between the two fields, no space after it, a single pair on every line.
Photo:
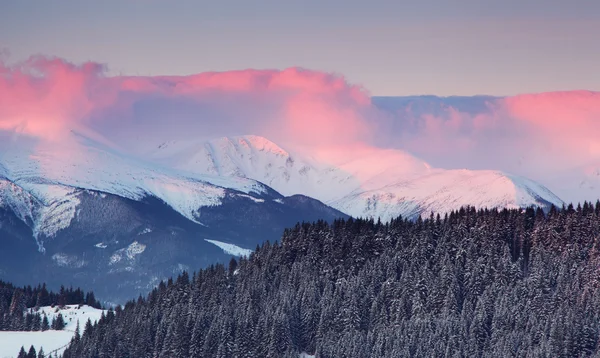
[191,174]
[252,142]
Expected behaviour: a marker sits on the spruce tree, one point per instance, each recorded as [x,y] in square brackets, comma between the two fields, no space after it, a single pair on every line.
[77,335]
[32,353]
[45,324]
[58,323]
[22,353]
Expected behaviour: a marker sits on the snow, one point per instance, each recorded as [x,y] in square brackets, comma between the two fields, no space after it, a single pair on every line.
[18,200]
[11,342]
[306,355]
[50,207]
[51,175]
[130,252]
[145,231]
[247,157]
[189,175]
[65,260]
[442,191]
[114,258]
[59,209]
[134,249]
[230,248]
[71,314]
[370,182]
[256,200]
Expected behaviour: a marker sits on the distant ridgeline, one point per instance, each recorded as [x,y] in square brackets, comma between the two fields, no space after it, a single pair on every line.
[474,283]
[15,300]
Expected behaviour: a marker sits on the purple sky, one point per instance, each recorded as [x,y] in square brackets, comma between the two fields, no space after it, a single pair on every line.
[460,47]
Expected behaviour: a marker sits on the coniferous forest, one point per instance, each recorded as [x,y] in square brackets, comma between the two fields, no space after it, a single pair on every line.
[15,300]
[489,283]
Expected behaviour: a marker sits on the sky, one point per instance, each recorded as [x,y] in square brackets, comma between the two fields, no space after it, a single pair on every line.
[134,74]
[461,47]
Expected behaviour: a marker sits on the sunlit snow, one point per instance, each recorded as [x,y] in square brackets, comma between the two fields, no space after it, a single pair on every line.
[188,175]
[370,183]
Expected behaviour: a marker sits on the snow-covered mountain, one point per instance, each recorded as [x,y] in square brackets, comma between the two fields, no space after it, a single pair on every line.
[120,247]
[258,158]
[190,175]
[81,212]
[49,171]
[85,212]
[373,183]
[442,191]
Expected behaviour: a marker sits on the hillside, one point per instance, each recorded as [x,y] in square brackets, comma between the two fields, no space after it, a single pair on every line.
[474,283]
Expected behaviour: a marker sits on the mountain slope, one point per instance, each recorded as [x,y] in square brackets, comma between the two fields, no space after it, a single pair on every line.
[82,162]
[442,191]
[191,175]
[376,183]
[81,212]
[488,283]
[121,247]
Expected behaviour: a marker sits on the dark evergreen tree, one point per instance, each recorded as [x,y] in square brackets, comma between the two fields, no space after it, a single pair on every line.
[58,323]
[487,283]
[45,324]
[19,306]
[22,353]
[77,335]
[32,353]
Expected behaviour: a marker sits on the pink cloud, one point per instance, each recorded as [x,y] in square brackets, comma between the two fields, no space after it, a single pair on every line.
[44,97]
[534,135]
[547,137]
[41,95]
[571,119]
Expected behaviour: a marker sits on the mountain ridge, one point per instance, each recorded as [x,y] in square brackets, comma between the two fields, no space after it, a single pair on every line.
[340,186]
[189,175]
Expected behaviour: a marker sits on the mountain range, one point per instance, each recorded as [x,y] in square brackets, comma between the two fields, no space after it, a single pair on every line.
[376,183]
[82,211]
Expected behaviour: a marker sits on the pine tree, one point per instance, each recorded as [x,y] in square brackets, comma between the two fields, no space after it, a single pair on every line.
[58,323]
[77,335]
[88,329]
[21,305]
[45,324]
[37,322]
[22,353]
[32,353]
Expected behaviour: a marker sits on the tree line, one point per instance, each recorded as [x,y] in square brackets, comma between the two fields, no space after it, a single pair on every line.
[18,306]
